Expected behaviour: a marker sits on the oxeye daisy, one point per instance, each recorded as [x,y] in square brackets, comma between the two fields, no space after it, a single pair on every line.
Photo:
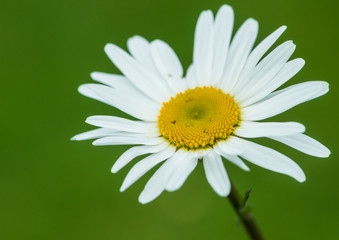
[207,114]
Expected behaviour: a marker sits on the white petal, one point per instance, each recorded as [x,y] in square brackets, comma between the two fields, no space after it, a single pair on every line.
[157,183]
[143,166]
[280,101]
[230,146]
[166,60]
[240,48]
[140,49]
[132,102]
[223,27]
[287,72]
[200,154]
[134,152]
[270,159]
[216,174]
[236,161]
[229,153]
[191,77]
[203,47]
[266,70]
[113,80]
[267,129]
[168,65]
[181,173]
[255,56]
[144,79]
[128,139]
[304,144]
[123,124]
[96,133]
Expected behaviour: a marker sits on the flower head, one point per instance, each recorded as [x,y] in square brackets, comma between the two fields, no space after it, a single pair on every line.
[206,114]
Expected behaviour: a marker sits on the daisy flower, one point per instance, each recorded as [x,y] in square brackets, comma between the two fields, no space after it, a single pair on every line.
[207,114]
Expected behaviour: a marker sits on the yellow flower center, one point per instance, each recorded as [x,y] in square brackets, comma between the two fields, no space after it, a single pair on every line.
[198,118]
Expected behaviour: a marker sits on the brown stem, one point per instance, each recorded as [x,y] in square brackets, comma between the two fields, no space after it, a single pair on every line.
[245,216]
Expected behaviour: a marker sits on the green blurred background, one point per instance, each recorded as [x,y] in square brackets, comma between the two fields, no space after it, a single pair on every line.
[52,188]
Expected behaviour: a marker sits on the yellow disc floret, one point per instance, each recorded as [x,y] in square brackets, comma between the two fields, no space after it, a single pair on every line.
[198,118]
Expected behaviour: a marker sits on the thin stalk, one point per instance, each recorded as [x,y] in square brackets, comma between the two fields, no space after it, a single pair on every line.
[245,215]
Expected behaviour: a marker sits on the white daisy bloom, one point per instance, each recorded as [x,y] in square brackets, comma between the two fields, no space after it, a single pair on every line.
[206,114]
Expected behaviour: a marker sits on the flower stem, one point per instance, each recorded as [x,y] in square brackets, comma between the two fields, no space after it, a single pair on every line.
[245,215]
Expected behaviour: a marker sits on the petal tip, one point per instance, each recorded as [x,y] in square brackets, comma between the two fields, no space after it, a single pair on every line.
[225,9]
[283,28]
[94,75]
[143,199]
[107,47]
[224,193]
[325,153]
[326,86]
[253,22]
[123,187]
[302,179]
[97,142]
[300,127]
[110,49]
[246,168]
[82,88]
[114,169]
[89,120]
[301,61]
[171,188]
